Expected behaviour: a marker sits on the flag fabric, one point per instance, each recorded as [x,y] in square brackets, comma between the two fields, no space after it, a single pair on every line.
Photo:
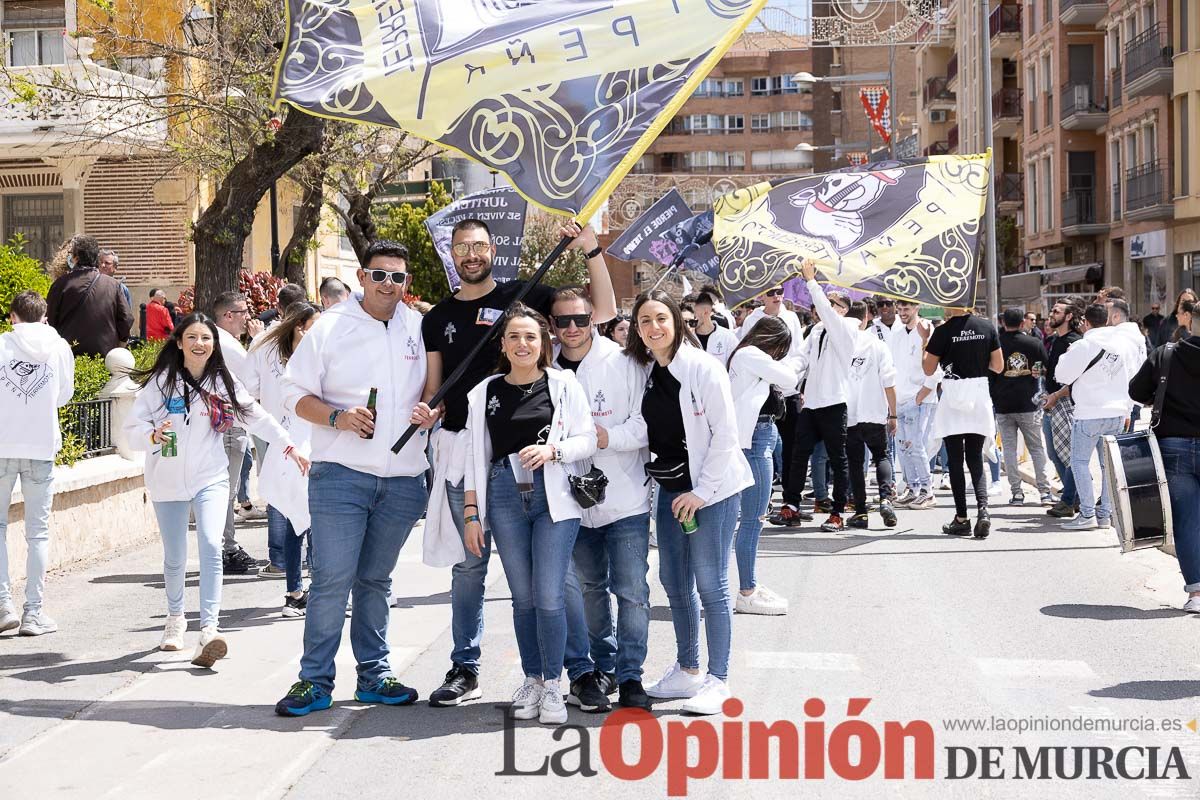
[696,229]
[905,229]
[502,210]
[879,114]
[663,230]
[796,290]
[560,96]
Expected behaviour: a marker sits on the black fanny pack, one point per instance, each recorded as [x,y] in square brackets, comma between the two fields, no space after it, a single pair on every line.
[588,489]
[670,475]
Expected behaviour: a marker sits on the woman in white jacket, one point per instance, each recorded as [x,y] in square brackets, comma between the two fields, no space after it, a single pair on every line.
[524,425]
[759,374]
[188,398]
[698,464]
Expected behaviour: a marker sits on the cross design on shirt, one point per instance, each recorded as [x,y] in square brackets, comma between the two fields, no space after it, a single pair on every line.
[449,332]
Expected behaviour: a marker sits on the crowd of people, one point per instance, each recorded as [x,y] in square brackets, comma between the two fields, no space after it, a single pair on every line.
[575,439]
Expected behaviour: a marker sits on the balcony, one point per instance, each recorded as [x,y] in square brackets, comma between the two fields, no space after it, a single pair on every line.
[1010,191]
[1079,214]
[1006,113]
[952,71]
[1081,12]
[937,149]
[937,95]
[1004,26]
[1081,109]
[1114,87]
[1148,63]
[1116,203]
[1147,193]
[952,139]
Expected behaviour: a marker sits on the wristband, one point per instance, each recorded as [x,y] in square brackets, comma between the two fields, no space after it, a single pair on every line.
[333,418]
[287,451]
[471,505]
[593,253]
[471,518]
[557,454]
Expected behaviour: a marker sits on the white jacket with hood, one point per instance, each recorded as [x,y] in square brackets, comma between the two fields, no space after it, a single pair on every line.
[828,350]
[751,375]
[1101,392]
[613,384]
[571,430]
[37,373]
[339,360]
[721,343]
[201,460]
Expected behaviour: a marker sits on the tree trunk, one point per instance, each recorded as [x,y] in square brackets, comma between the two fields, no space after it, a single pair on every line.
[360,229]
[221,230]
[295,254]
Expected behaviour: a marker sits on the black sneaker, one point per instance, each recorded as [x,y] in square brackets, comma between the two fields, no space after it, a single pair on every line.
[632,695]
[822,506]
[1061,510]
[959,527]
[983,524]
[587,693]
[888,513]
[788,517]
[833,524]
[461,684]
[607,681]
[1018,499]
[238,562]
[857,521]
[295,606]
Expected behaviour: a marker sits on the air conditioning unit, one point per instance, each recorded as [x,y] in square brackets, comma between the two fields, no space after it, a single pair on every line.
[939,116]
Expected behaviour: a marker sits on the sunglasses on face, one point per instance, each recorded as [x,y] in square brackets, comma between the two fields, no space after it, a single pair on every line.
[691,323]
[775,293]
[463,249]
[563,321]
[381,275]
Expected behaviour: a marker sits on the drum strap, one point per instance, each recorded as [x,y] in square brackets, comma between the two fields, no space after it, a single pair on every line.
[1160,393]
[1091,364]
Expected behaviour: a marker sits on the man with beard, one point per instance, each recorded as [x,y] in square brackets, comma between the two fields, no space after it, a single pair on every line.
[450,331]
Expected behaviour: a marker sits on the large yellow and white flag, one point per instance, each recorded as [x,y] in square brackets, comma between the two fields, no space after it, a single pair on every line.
[561,96]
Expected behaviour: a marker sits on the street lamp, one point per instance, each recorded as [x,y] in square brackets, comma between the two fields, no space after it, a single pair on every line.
[199,27]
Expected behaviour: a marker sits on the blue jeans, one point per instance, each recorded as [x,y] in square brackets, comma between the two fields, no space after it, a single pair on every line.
[912,429]
[37,489]
[1085,440]
[468,579]
[610,558]
[209,506]
[755,499]
[820,472]
[359,524]
[280,529]
[1181,461]
[536,553]
[694,570]
[777,453]
[1062,468]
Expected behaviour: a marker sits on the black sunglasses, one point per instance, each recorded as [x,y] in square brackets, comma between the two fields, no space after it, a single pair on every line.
[381,275]
[564,321]
[883,303]
[775,293]
[691,323]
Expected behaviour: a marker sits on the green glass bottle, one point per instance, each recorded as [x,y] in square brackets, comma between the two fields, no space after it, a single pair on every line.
[371,400]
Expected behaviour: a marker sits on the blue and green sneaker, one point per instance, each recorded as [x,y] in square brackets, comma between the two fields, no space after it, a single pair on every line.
[388,691]
[303,698]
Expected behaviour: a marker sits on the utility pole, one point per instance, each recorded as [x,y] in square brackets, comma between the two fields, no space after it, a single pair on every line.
[990,262]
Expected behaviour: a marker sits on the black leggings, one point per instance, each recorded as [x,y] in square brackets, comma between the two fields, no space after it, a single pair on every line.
[970,447]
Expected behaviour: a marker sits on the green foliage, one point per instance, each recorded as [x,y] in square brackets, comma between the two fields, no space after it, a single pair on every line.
[145,353]
[18,273]
[1008,245]
[541,236]
[406,224]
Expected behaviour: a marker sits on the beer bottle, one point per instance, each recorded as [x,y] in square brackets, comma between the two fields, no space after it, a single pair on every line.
[371,399]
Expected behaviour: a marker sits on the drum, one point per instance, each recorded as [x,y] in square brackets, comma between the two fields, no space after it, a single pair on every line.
[1137,484]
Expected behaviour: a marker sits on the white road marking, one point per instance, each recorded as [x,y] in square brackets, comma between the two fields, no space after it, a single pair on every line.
[826,662]
[1033,668]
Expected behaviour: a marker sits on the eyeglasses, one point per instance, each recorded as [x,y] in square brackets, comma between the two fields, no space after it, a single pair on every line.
[471,248]
[775,293]
[564,321]
[381,275]
[691,323]
[239,311]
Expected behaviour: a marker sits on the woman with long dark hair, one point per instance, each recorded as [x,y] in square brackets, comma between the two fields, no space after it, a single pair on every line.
[617,329]
[266,362]
[758,375]
[524,426]
[1169,329]
[188,398]
[699,467]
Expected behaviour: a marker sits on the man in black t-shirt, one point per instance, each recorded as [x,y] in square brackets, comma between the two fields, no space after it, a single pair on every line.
[450,331]
[1013,391]
[1066,318]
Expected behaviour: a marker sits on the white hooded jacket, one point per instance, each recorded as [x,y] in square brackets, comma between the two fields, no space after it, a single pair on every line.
[1101,392]
[828,350]
[721,343]
[751,375]
[37,377]
[871,371]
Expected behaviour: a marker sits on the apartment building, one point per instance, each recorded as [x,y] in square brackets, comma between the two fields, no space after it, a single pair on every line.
[1185,245]
[852,69]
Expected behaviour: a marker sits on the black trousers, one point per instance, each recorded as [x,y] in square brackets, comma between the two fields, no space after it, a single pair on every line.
[787,434]
[967,446]
[859,439]
[814,425]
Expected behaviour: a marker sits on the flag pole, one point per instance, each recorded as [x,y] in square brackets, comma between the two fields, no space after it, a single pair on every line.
[687,250]
[461,370]
[991,266]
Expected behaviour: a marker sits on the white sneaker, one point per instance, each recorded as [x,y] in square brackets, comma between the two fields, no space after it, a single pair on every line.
[552,710]
[8,618]
[763,601]
[251,514]
[675,683]
[527,700]
[708,700]
[1080,523]
[1103,522]
[923,500]
[1192,606]
[172,638]
[36,623]
[212,647]
[904,498]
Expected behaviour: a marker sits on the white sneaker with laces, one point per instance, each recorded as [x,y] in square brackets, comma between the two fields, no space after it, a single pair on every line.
[36,623]
[708,700]
[675,683]
[527,700]
[923,500]
[212,648]
[763,601]
[8,618]
[1080,523]
[172,638]
[552,710]
[1192,606]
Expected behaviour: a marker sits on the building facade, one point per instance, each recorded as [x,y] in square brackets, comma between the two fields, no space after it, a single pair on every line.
[1185,241]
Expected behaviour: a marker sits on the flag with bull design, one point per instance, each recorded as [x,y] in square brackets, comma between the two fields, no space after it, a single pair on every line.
[561,96]
[906,229]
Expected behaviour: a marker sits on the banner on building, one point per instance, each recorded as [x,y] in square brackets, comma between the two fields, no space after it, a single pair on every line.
[560,96]
[906,229]
[875,100]
[502,210]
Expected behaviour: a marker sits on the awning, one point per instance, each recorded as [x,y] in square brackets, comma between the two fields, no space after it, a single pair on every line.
[1072,274]
[1023,286]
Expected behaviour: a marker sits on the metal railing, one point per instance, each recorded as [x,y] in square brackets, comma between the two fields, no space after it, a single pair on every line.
[1004,19]
[1146,186]
[952,138]
[1114,86]
[1007,103]
[952,67]
[937,149]
[1147,51]
[1079,207]
[91,422]
[1011,188]
[1080,98]
[936,89]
